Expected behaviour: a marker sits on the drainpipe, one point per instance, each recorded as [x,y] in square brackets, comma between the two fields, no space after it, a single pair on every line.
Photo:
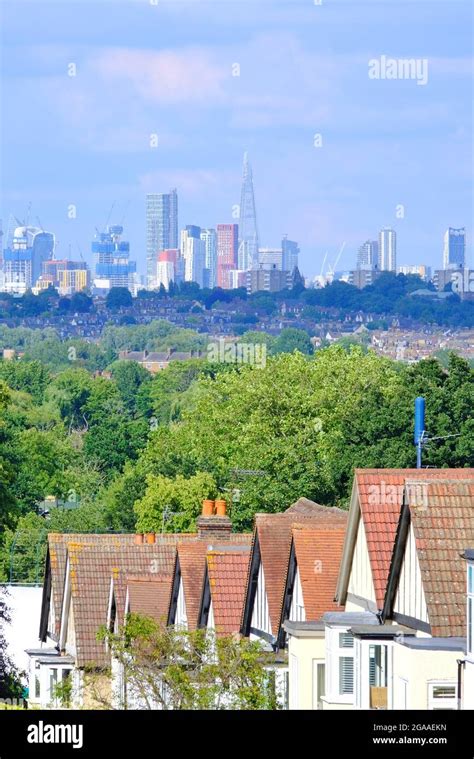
[461,664]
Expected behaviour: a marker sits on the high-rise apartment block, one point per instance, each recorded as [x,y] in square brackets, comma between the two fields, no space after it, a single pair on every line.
[24,257]
[227,253]
[454,252]
[209,238]
[368,255]
[161,228]
[290,254]
[387,249]
[193,251]
[113,267]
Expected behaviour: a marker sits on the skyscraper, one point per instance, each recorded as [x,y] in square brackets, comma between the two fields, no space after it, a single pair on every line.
[368,255]
[23,259]
[272,257]
[454,248]
[193,251]
[161,228]
[209,238]
[248,234]
[113,267]
[291,252]
[387,249]
[227,250]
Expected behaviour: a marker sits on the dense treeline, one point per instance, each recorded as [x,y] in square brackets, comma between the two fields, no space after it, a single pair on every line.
[390,295]
[128,450]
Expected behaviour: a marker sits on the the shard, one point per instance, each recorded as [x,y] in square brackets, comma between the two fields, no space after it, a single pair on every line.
[248,234]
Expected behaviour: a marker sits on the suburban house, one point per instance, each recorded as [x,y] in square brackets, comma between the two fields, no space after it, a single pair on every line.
[155,361]
[426,592]
[223,591]
[366,609]
[49,665]
[467,680]
[377,650]
[271,581]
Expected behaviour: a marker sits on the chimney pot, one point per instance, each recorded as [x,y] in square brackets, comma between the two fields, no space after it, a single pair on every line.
[221,508]
[150,538]
[207,507]
[138,539]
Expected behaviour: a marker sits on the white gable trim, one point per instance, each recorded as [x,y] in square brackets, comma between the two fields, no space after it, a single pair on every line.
[260,614]
[65,608]
[181,617]
[410,598]
[297,610]
[361,590]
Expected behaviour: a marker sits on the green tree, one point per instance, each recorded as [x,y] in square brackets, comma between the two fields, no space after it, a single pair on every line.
[291,339]
[169,668]
[119,297]
[173,504]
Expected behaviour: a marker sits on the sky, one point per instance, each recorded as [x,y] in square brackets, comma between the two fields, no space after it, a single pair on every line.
[106,100]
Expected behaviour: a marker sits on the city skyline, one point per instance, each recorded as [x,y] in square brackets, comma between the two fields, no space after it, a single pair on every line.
[336,156]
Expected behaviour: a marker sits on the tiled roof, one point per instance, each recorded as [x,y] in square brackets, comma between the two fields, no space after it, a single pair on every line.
[57,545]
[274,533]
[227,570]
[380,494]
[318,555]
[92,565]
[192,561]
[443,524]
[150,594]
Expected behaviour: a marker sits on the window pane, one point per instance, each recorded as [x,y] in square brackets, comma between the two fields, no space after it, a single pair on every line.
[444,691]
[346,640]
[346,675]
[469,624]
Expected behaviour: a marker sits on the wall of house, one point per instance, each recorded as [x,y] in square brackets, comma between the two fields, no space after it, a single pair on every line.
[40,674]
[297,610]
[181,616]
[24,604]
[414,670]
[410,597]
[360,582]
[302,652]
[260,615]
[468,686]
[97,690]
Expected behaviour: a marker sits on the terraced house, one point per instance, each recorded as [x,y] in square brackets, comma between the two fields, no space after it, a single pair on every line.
[366,609]
[401,585]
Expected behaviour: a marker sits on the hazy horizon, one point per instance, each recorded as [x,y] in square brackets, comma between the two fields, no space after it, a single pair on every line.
[169,69]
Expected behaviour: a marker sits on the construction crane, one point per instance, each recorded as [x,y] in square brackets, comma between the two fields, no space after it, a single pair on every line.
[110,214]
[332,269]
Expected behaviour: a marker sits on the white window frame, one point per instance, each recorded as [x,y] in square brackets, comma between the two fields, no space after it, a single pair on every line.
[334,652]
[317,663]
[470,609]
[294,696]
[450,702]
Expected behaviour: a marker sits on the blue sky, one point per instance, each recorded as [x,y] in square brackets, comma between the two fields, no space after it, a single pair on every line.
[167,69]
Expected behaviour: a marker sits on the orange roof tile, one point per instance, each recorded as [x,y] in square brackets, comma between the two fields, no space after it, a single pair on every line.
[318,554]
[227,572]
[380,494]
[443,525]
[274,534]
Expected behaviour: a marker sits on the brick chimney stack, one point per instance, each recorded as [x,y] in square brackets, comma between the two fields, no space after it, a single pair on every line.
[214,524]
